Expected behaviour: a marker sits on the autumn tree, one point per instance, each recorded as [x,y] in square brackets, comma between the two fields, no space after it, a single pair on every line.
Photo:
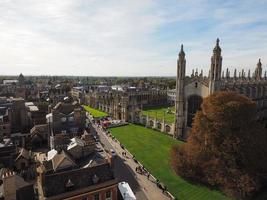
[226,147]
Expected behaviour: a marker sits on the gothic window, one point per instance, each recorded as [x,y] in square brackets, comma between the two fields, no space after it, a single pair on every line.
[195,84]
[168,128]
[194,103]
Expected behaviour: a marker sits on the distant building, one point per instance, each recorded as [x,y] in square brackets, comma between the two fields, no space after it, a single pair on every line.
[8,153]
[67,117]
[14,114]
[124,103]
[190,91]
[171,96]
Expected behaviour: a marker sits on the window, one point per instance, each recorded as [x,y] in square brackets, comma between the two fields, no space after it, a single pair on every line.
[63,119]
[74,130]
[96,196]
[108,195]
[71,119]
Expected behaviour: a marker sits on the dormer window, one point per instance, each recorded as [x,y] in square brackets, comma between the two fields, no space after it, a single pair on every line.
[71,119]
[95,179]
[63,119]
[69,184]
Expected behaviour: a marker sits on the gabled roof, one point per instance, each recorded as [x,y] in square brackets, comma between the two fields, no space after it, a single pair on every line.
[23,153]
[76,142]
[51,154]
[62,160]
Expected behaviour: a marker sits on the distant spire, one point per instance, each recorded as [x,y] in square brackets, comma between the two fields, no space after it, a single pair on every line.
[227,73]
[258,71]
[181,53]
[235,73]
[249,73]
[259,63]
[201,72]
[217,48]
[217,41]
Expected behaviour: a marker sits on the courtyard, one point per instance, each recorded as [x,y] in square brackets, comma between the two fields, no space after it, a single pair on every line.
[160,113]
[152,149]
[94,112]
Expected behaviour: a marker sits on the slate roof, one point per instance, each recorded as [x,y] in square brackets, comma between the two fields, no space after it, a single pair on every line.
[59,159]
[55,184]
[64,108]
[26,192]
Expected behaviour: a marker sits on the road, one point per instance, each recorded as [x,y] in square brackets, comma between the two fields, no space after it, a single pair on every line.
[124,170]
[121,171]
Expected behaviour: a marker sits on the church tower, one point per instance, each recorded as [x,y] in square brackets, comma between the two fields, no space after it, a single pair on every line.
[258,71]
[215,69]
[180,102]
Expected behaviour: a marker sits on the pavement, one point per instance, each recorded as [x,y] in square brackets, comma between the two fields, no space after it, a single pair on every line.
[124,170]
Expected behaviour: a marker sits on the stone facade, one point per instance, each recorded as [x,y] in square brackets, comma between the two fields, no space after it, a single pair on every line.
[125,103]
[190,91]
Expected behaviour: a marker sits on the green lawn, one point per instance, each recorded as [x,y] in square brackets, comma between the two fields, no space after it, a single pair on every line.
[152,149]
[94,112]
[160,113]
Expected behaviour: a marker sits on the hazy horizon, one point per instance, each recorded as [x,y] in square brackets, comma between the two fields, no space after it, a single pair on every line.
[128,38]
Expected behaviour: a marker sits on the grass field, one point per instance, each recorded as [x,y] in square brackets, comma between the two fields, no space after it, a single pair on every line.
[152,149]
[94,112]
[160,113]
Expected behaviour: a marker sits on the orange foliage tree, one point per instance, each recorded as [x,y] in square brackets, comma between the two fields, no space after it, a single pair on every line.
[226,147]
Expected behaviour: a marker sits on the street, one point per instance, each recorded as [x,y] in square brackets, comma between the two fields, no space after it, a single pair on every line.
[124,170]
[121,171]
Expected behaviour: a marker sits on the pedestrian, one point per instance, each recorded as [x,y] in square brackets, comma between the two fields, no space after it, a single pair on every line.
[148,174]
[136,169]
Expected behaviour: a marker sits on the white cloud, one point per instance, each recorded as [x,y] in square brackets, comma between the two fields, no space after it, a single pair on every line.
[94,37]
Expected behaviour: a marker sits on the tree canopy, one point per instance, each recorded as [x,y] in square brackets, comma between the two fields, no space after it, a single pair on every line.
[226,147]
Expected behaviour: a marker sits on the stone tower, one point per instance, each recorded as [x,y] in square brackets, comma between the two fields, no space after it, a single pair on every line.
[215,69]
[258,71]
[180,102]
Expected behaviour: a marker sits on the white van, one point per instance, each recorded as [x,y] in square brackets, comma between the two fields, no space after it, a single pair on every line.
[126,192]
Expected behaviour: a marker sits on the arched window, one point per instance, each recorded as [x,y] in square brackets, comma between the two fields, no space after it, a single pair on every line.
[194,103]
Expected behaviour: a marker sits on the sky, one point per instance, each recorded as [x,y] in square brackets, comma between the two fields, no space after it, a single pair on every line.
[128,37]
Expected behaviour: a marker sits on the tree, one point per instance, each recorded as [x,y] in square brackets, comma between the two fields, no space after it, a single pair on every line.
[226,147]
